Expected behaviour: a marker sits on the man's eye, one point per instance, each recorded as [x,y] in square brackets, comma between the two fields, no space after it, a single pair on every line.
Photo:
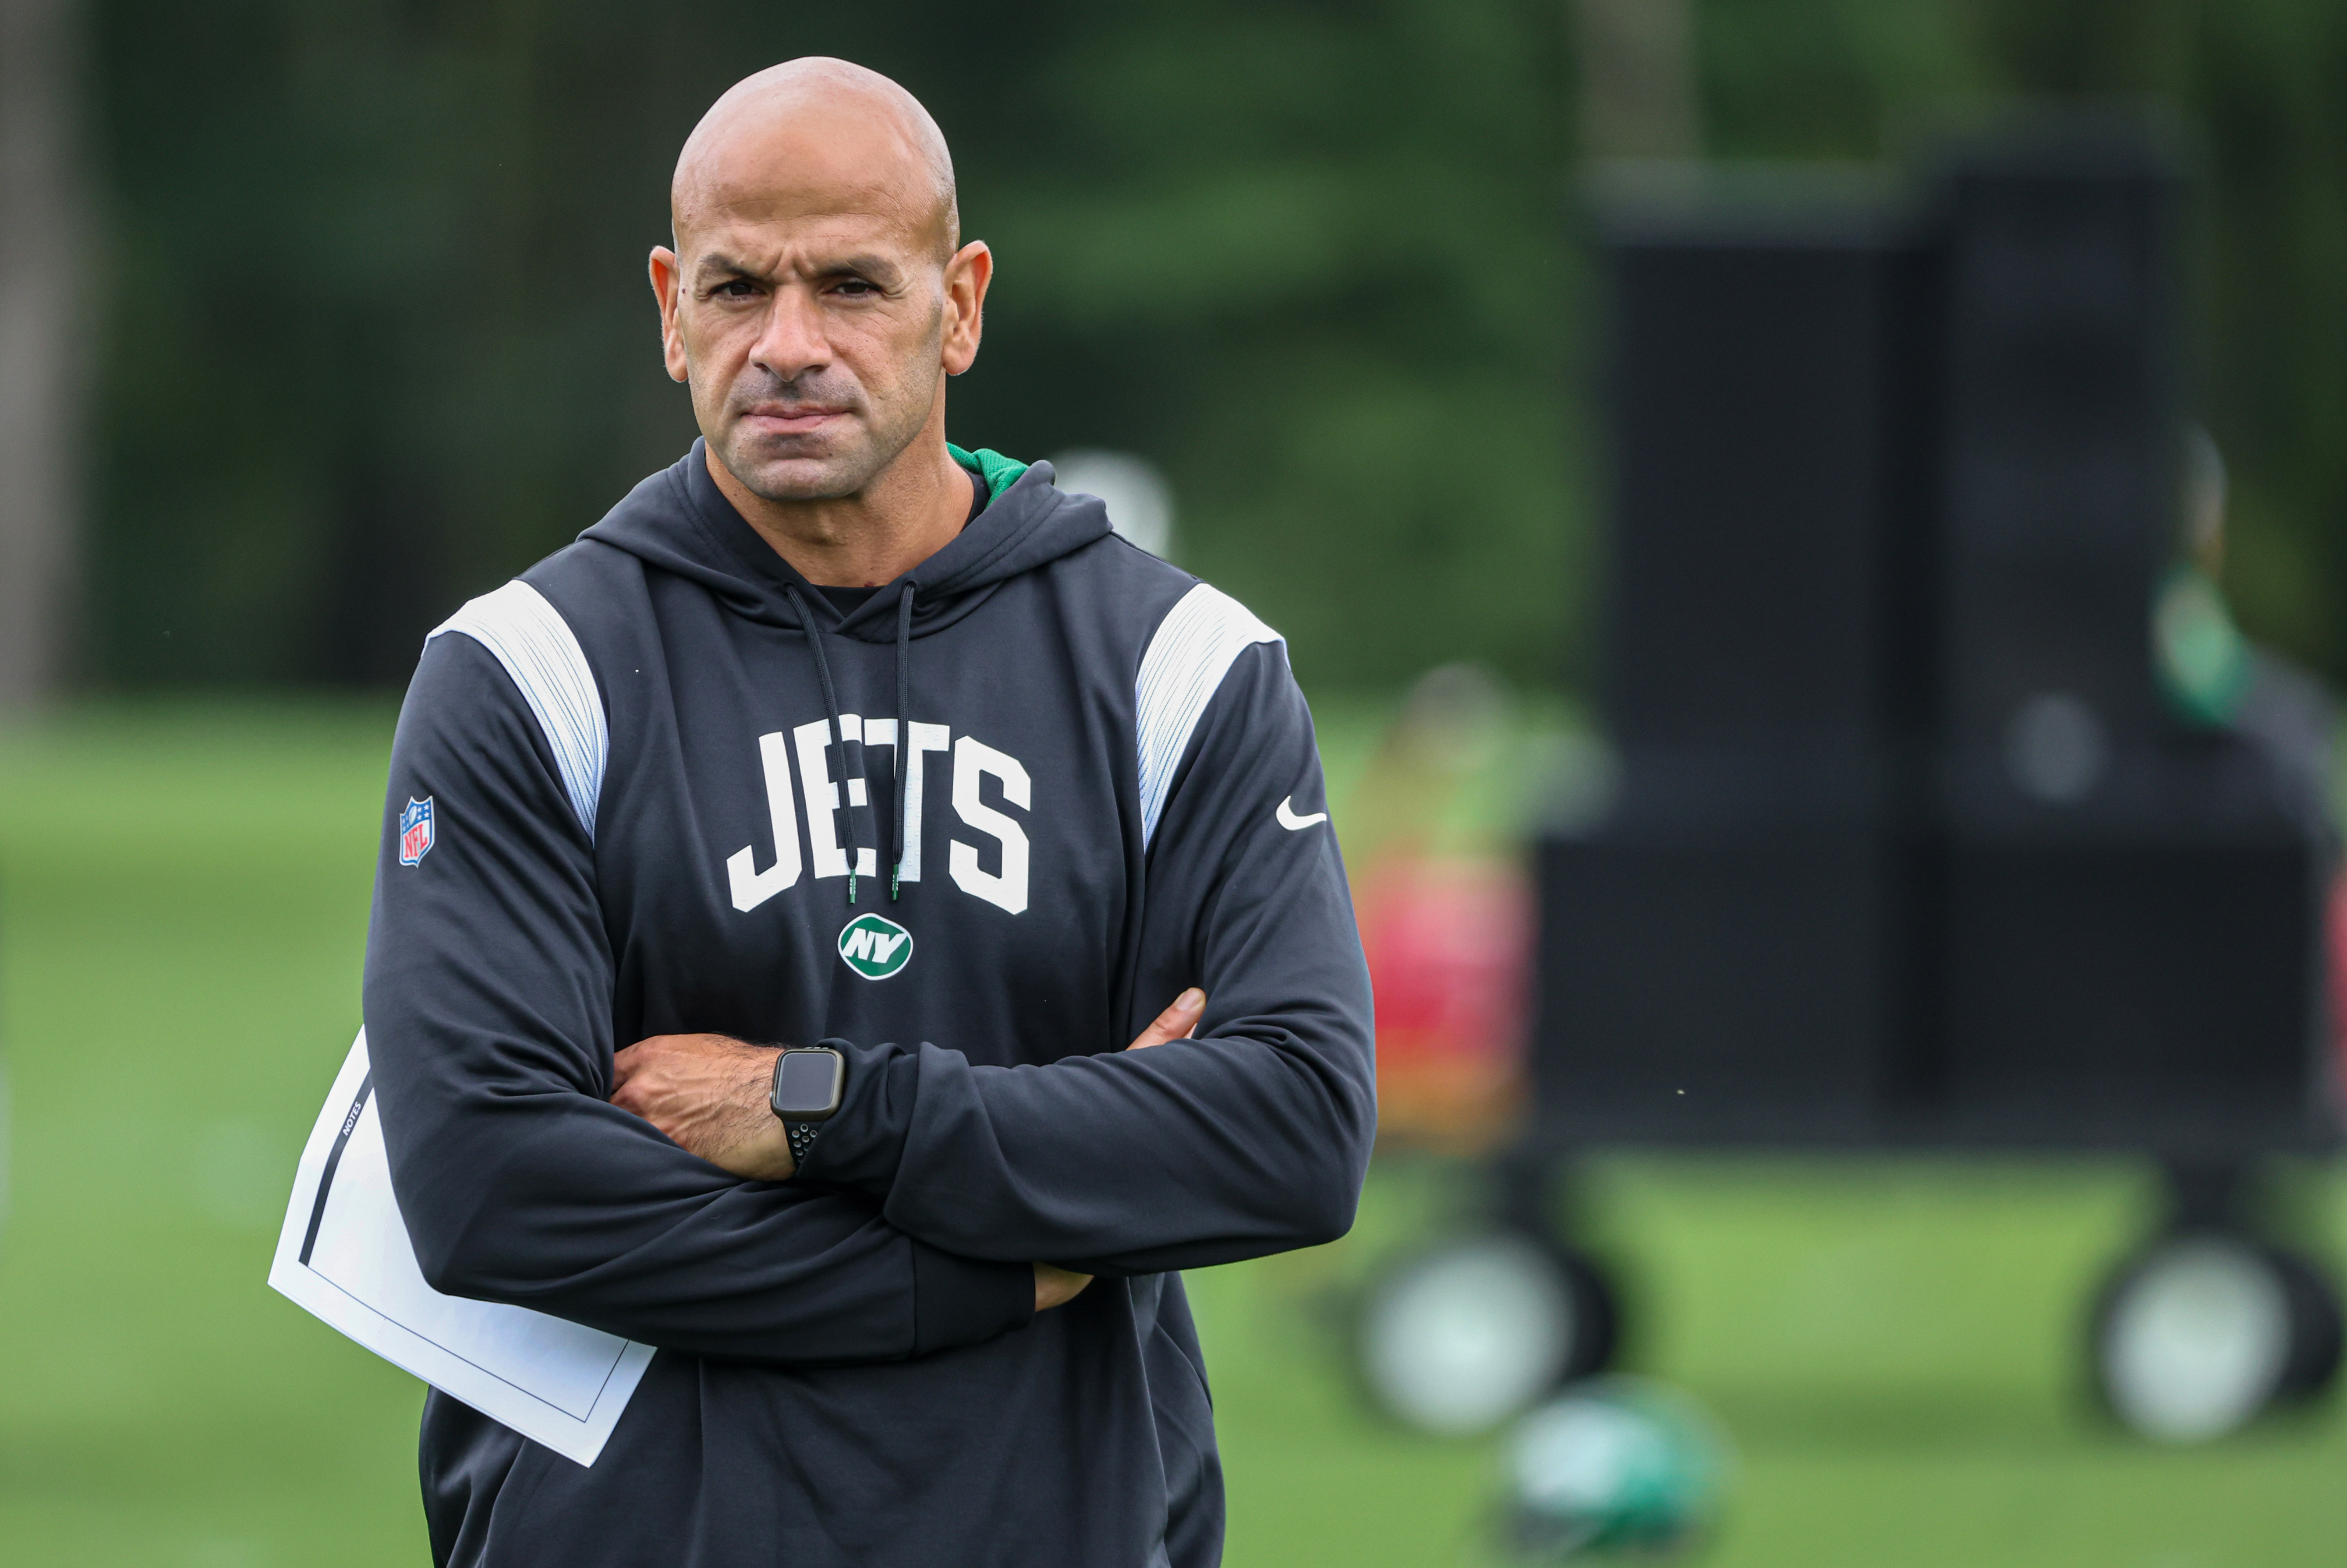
[738,289]
[854,288]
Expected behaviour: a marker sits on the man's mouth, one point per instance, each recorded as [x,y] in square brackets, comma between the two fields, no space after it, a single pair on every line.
[791,419]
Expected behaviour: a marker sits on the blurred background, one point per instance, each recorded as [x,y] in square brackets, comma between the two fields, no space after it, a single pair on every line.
[317,318]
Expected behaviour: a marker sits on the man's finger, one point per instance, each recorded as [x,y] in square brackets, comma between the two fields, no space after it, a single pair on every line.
[1175,1022]
[643,1056]
[1056,1286]
[630,1059]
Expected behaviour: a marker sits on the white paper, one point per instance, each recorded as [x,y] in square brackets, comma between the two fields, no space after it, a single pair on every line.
[348,1260]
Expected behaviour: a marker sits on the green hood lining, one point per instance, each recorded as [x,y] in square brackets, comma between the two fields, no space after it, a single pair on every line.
[1000,473]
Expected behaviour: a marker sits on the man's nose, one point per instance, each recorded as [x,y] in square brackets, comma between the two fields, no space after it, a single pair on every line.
[794,341]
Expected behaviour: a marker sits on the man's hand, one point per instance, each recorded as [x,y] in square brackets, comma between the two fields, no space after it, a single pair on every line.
[711,1095]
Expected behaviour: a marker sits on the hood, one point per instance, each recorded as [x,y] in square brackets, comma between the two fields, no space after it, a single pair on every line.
[679,521]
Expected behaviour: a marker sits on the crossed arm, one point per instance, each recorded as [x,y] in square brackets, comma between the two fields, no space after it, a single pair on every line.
[633,1190]
[709,1094]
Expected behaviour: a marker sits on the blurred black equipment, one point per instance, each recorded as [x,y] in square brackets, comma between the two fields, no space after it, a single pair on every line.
[1716,956]
[1910,847]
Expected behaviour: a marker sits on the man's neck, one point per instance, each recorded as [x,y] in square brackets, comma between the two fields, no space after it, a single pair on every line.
[906,516]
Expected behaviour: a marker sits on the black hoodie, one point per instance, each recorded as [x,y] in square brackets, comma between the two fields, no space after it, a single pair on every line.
[631,798]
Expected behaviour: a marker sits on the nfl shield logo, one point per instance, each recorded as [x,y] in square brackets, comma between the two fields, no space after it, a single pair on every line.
[416,831]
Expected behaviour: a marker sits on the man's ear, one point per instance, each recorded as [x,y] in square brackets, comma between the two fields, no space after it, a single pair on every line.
[668,276]
[967,277]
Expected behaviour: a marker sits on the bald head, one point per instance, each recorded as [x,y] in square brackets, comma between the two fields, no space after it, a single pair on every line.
[813,137]
[819,295]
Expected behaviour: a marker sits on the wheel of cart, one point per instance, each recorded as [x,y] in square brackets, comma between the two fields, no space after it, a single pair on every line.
[1466,1333]
[1459,1338]
[2208,1324]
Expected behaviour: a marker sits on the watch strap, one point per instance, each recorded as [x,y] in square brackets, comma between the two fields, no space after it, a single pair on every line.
[802,1135]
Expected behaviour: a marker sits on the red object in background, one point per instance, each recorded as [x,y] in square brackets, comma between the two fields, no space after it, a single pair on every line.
[2334,951]
[1449,947]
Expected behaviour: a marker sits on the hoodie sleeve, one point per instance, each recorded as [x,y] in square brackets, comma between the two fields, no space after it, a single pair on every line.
[488,1012]
[1251,1138]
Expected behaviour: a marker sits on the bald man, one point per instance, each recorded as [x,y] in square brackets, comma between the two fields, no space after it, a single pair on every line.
[774,884]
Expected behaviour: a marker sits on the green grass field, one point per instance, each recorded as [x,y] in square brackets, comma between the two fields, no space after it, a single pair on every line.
[183,896]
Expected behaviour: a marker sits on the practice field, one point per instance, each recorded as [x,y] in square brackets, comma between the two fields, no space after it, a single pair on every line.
[183,895]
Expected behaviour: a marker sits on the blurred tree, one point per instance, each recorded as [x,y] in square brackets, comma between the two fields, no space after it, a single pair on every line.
[1311,260]
[39,364]
[2266,82]
[1637,77]
[376,333]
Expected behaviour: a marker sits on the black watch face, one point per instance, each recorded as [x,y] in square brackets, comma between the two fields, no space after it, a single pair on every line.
[807,1084]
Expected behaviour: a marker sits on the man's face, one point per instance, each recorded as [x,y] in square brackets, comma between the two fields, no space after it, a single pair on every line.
[811,322]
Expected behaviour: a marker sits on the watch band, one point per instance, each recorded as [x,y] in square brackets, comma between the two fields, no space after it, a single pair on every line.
[802,1137]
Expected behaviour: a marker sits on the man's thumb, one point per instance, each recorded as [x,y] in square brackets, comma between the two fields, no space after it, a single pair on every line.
[1175,1022]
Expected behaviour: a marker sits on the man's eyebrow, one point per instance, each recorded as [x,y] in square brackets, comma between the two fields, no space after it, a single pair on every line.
[877,267]
[716,262]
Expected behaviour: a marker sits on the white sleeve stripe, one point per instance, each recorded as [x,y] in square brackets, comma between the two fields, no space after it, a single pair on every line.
[531,640]
[1182,668]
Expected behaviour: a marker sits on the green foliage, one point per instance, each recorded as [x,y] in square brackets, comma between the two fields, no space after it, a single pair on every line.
[1332,245]
[374,333]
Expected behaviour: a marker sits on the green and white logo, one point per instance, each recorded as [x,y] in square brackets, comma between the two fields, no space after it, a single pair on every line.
[874,947]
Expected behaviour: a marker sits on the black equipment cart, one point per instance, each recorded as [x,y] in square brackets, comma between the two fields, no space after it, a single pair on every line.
[1927,832]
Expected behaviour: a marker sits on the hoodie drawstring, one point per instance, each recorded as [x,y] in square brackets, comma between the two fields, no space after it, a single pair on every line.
[838,734]
[903,725]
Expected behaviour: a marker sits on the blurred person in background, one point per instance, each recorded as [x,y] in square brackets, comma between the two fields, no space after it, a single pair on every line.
[2213,678]
[840,1125]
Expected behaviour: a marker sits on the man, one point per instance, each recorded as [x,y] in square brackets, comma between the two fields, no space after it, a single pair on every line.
[833,733]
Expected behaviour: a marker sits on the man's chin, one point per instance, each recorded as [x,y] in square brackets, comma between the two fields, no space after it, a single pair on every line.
[797,476]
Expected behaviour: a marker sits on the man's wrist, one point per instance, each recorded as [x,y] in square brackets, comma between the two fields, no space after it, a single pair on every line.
[863,1146]
[808,1086]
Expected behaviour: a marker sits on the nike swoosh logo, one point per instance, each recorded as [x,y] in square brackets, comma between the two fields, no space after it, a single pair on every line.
[1294,823]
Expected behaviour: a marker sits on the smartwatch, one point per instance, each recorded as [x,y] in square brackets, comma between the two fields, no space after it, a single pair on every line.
[808,1080]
